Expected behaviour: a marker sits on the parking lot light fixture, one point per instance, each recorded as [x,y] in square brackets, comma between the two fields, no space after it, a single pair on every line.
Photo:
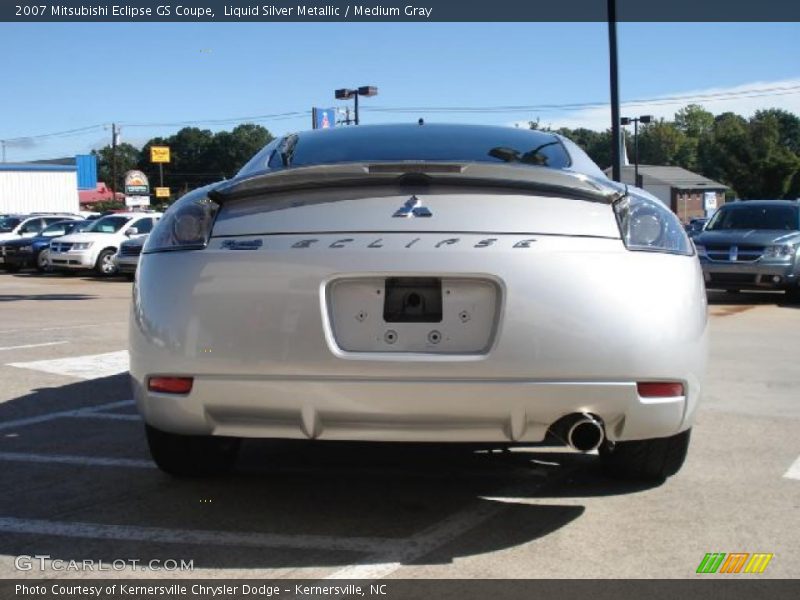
[636,120]
[347,93]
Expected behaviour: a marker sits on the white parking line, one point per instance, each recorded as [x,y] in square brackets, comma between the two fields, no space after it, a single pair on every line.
[34,345]
[408,551]
[92,366]
[107,416]
[28,329]
[96,531]
[794,470]
[83,461]
[64,413]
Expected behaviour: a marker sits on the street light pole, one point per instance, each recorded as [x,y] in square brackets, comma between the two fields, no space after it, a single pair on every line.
[636,120]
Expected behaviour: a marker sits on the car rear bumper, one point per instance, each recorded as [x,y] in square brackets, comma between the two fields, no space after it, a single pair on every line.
[579,322]
[405,411]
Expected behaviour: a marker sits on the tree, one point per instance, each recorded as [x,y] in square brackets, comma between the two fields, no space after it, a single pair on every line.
[127,159]
[694,121]
[230,151]
[662,143]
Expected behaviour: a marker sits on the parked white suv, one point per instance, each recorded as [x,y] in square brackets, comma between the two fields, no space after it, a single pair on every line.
[14,227]
[95,247]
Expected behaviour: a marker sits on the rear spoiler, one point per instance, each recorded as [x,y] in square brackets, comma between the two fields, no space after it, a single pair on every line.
[523,178]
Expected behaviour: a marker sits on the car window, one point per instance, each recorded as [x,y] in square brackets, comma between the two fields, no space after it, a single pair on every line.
[109,224]
[54,230]
[144,225]
[784,218]
[461,144]
[32,226]
[51,220]
[8,223]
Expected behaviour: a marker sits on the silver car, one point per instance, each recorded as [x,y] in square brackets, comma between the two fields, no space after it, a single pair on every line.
[422,283]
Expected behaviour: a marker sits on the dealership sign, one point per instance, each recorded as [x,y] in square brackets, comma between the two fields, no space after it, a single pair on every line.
[136,184]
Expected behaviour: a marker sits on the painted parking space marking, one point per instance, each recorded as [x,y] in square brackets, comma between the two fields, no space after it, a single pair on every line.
[59,328]
[33,345]
[83,461]
[408,551]
[98,531]
[105,415]
[64,413]
[92,366]
[794,470]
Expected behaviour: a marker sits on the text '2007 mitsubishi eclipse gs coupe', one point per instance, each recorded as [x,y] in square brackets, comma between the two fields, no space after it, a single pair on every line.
[425,283]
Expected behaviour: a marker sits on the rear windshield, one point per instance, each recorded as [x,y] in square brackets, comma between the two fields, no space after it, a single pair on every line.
[422,143]
[110,224]
[785,218]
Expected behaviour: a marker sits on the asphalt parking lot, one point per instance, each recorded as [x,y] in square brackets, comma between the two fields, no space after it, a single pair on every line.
[78,483]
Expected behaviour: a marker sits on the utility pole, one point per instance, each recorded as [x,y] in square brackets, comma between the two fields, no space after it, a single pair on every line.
[114,160]
[614,80]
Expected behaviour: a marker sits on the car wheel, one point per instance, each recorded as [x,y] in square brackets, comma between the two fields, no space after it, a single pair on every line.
[43,261]
[192,455]
[649,460]
[793,295]
[105,263]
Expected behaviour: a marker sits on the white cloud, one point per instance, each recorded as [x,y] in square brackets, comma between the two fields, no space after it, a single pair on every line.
[743,99]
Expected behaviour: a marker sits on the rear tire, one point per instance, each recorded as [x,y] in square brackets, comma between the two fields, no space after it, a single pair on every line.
[105,266]
[192,455]
[646,460]
[793,295]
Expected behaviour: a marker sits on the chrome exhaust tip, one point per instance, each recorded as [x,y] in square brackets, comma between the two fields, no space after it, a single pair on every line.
[586,434]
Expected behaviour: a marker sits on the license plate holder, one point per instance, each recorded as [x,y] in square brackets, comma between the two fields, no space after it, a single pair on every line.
[412,300]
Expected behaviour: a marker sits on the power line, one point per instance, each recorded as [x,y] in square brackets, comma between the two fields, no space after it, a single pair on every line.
[660,101]
[663,100]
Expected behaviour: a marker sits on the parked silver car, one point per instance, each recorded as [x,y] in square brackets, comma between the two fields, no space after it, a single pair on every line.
[127,257]
[435,283]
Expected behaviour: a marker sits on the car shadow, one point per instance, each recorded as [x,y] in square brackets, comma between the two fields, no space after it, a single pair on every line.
[449,500]
[749,299]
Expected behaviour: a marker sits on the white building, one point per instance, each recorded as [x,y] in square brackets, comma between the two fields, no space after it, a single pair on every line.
[29,187]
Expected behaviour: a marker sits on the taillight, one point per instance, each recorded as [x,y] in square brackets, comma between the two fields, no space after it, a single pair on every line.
[170,385]
[660,389]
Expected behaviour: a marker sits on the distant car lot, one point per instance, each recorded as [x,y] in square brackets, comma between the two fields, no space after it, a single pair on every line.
[72,450]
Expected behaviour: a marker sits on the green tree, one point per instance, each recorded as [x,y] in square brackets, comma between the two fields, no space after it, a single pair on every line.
[662,143]
[694,121]
[127,159]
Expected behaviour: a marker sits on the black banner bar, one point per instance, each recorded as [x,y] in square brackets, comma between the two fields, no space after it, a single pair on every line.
[412,11]
[734,587]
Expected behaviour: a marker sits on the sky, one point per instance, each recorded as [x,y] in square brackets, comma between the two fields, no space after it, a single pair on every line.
[153,79]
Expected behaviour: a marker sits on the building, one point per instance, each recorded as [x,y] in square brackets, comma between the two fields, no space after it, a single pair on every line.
[55,185]
[28,187]
[687,194]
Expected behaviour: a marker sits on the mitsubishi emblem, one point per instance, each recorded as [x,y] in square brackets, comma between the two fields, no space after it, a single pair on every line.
[413,208]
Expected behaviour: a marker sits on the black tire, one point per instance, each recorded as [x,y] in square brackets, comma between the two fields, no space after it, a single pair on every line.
[646,460]
[42,261]
[192,455]
[793,295]
[105,266]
